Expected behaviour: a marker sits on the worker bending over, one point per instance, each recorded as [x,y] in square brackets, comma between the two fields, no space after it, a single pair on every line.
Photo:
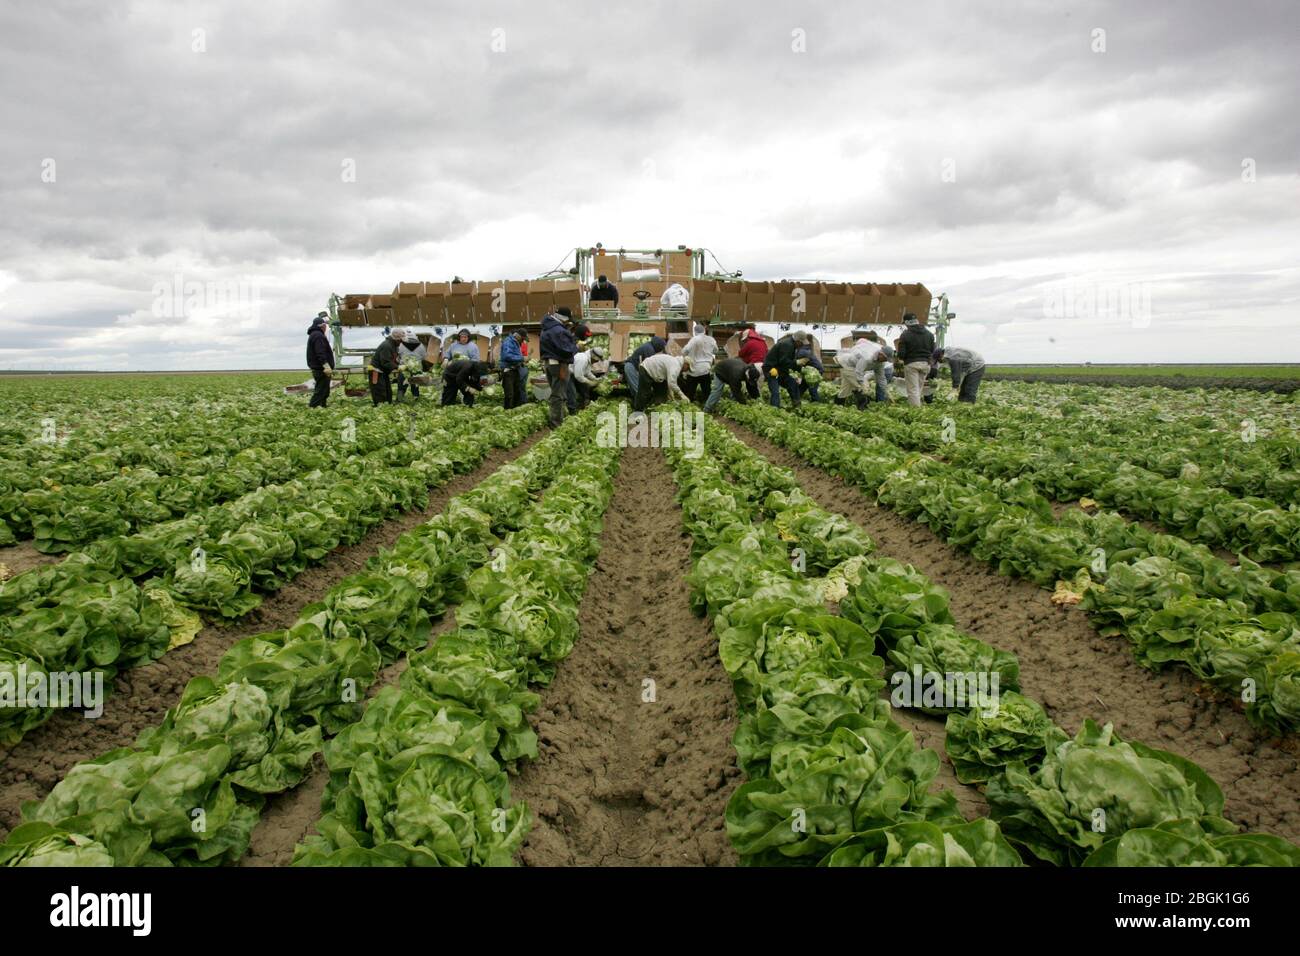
[463,378]
[588,368]
[732,373]
[659,369]
[781,362]
[382,365]
[967,368]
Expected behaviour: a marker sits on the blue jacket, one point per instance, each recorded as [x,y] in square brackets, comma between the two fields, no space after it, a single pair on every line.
[813,360]
[511,355]
[558,343]
[653,347]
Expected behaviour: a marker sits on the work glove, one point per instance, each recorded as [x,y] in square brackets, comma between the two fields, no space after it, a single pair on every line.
[773,372]
[329,370]
[803,361]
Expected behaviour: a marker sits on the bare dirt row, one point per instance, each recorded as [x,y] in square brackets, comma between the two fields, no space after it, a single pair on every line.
[142,695]
[623,779]
[1071,669]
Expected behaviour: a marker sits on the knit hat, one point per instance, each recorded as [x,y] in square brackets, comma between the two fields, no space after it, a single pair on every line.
[397,335]
[909,319]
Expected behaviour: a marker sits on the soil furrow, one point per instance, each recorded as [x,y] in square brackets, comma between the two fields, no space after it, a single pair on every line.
[142,695]
[1071,669]
[623,779]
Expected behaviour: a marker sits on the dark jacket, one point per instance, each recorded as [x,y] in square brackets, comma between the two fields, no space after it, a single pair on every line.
[463,375]
[319,352]
[732,371]
[807,352]
[782,355]
[558,344]
[647,349]
[385,357]
[609,293]
[916,344]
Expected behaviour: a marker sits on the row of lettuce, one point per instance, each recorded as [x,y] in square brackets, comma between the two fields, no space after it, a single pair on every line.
[191,790]
[1234,626]
[1065,463]
[124,600]
[104,483]
[833,780]
[1237,440]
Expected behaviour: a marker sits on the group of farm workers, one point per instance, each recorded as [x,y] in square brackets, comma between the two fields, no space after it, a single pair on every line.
[700,375]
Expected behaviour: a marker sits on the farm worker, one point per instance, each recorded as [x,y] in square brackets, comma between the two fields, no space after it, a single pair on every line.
[810,360]
[730,373]
[462,348]
[882,386]
[659,369]
[383,364]
[460,377]
[604,291]
[580,334]
[753,349]
[588,366]
[781,361]
[512,359]
[523,373]
[855,363]
[915,347]
[967,367]
[675,297]
[411,348]
[698,354]
[633,364]
[558,350]
[320,359]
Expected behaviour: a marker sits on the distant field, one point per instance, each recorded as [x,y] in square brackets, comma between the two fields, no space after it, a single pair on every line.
[1190,371]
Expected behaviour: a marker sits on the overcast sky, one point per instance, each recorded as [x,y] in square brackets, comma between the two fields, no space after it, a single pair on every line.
[1087,181]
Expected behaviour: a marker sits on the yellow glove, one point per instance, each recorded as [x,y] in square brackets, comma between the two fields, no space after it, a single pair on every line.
[773,372]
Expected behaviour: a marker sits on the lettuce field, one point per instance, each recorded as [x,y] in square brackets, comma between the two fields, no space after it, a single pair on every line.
[1057,628]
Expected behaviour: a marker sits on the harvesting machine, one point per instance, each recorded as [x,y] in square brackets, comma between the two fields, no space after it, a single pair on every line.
[723,299]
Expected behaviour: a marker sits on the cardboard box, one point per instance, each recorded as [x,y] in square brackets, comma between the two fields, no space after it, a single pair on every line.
[917,299]
[489,295]
[759,301]
[408,288]
[866,303]
[406,311]
[540,299]
[783,301]
[705,299]
[892,303]
[351,317]
[568,293]
[839,303]
[731,307]
[814,302]
[357,300]
[379,317]
[433,303]
[460,304]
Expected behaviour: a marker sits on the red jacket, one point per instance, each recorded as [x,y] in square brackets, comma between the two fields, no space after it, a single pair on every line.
[753,348]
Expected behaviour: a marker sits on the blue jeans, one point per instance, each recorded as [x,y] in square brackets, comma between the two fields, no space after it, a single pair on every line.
[774,388]
[631,375]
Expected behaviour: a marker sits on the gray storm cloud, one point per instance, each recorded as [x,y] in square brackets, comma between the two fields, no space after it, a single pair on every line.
[988,150]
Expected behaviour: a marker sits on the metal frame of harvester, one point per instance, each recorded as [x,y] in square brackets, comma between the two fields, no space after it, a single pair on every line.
[721,297]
